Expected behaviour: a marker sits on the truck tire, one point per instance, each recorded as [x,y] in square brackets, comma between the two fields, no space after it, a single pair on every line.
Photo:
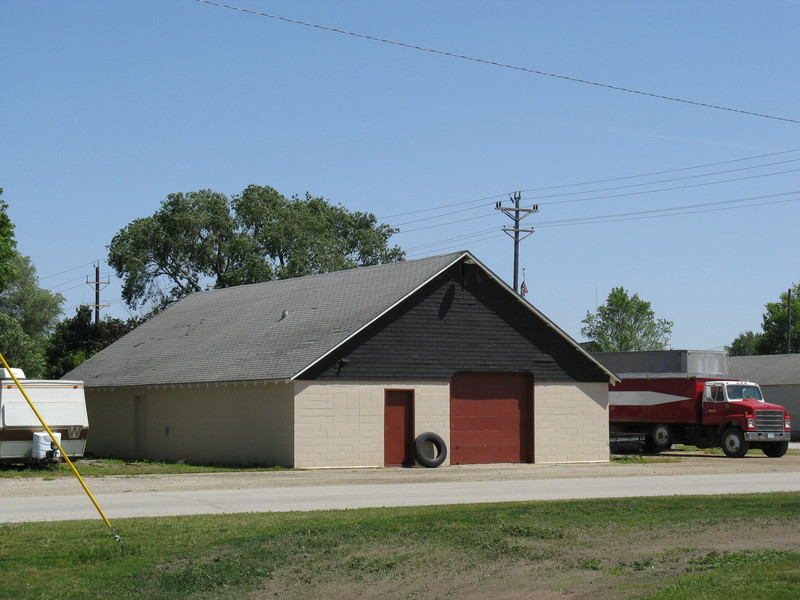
[775,450]
[733,443]
[662,438]
[421,449]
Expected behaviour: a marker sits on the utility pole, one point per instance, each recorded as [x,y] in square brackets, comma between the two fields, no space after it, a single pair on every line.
[97,283]
[789,322]
[516,214]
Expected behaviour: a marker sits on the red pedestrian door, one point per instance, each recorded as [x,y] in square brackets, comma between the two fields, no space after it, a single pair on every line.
[398,428]
[491,418]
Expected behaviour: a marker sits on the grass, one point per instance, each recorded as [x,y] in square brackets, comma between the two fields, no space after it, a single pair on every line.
[763,574]
[718,451]
[655,458]
[419,552]
[109,466]
[643,459]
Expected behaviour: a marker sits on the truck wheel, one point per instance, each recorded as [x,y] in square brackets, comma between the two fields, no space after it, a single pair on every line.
[775,450]
[662,438]
[733,443]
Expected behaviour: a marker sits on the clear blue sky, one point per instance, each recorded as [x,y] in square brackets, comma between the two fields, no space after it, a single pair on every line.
[108,106]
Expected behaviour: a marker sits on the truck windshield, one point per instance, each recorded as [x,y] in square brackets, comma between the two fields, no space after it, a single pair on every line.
[740,392]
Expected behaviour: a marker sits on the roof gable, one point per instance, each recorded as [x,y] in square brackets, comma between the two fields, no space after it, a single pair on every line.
[461,321]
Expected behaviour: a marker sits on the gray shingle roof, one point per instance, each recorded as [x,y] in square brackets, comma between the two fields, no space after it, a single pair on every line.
[266,331]
[770,369]
[240,333]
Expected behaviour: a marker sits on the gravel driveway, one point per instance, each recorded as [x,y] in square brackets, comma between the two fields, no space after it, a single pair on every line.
[685,463]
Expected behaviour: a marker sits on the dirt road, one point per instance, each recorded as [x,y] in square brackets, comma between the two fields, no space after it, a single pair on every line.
[681,463]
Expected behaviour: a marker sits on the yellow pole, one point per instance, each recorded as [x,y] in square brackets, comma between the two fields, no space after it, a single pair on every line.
[60,449]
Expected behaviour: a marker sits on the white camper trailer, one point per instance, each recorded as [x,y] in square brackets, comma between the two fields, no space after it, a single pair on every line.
[62,406]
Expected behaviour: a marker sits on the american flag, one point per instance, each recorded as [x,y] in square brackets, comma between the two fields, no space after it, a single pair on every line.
[523,289]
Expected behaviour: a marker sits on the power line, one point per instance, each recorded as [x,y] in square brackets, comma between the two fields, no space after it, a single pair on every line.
[632,185]
[668,189]
[459,241]
[447,247]
[499,64]
[585,183]
[714,164]
[630,216]
[442,224]
[443,206]
[68,270]
[618,218]
[74,287]
[606,197]
[460,238]
[55,287]
[447,214]
[610,196]
[690,212]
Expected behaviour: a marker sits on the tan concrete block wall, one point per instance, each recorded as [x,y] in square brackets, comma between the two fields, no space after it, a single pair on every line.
[341,424]
[233,424]
[111,424]
[570,422]
[328,425]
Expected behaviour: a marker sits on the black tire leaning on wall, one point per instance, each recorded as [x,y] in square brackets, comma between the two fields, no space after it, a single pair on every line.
[420,449]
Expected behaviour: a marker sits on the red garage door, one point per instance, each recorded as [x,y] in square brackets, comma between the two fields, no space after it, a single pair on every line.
[490,418]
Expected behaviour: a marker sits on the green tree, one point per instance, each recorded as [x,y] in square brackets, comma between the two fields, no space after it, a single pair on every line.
[187,240]
[775,321]
[27,312]
[625,323]
[35,308]
[202,238]
[7,245]
[305,236]
[774,325]
[745,344]
[19,350]
[78,338]
[29,315]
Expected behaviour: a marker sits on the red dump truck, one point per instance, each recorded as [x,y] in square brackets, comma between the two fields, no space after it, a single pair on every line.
[686,398]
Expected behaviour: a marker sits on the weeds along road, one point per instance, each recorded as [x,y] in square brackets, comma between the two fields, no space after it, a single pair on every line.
[61,498]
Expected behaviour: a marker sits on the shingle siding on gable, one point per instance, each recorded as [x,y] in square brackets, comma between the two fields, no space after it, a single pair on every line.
[462,321]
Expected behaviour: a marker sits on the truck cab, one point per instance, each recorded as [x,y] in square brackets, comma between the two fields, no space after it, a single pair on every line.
[743,419]
[718,395]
